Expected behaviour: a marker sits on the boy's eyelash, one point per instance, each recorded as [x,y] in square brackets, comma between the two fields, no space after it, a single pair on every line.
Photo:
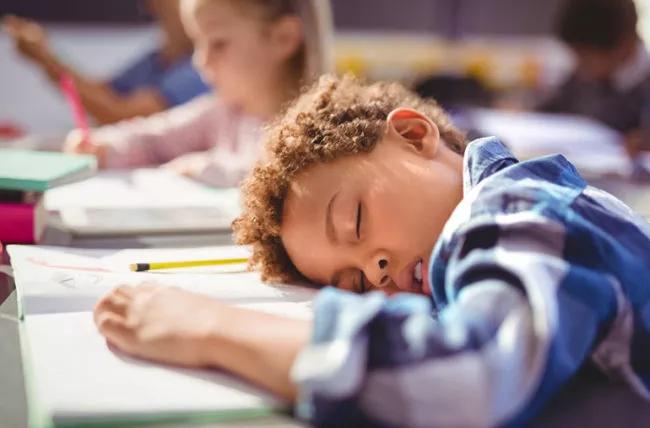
[359,221]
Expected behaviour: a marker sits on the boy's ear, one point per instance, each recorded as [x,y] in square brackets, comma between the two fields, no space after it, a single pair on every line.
[414,128]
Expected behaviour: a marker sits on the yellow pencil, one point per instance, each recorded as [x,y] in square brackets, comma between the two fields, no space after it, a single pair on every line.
[141,267]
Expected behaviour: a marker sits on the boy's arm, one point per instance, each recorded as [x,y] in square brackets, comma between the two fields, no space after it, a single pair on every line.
[259,347]
[174,326]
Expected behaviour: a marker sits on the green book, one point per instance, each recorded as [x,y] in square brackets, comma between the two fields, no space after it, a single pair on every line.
[38,171]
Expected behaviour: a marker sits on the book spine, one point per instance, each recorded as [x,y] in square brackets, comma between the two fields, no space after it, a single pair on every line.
[18,223]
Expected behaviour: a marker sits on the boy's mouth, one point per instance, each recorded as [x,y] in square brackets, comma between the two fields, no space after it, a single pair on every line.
[421,277]
[413,278]
[417,272]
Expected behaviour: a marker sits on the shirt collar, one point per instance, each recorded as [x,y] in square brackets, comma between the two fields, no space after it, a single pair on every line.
[484,157]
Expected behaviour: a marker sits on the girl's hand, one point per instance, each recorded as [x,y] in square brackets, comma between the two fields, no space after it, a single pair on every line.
[163,324]
[75,143]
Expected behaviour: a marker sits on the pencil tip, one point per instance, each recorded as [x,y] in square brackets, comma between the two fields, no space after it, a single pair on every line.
[139,267]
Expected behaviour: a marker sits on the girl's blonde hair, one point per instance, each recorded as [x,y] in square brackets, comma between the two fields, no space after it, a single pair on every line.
[314,57]
[316,18]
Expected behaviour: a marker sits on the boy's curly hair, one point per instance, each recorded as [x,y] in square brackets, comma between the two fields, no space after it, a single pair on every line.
[336,117]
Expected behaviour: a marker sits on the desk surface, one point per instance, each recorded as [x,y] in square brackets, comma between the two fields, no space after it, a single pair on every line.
[13,405]
[588,401]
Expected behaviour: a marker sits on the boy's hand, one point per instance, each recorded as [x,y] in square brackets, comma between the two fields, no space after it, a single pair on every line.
[75,143]
[29,37]
[163,324]
[173,326]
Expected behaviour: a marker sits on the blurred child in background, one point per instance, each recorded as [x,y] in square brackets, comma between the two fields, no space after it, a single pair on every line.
[611,79]
[258,54]
[159,80]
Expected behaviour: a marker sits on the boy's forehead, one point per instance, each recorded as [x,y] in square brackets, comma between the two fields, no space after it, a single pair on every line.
[320,176]
[310,189]
[311,181]
[343,167]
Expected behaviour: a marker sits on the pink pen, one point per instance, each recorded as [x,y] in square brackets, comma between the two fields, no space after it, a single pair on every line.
[69,90]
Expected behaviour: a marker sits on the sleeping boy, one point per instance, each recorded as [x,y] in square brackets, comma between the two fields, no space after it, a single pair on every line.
[465,287]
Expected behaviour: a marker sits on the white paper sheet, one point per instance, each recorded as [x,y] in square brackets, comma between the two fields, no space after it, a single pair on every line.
[60,279]
[74,377]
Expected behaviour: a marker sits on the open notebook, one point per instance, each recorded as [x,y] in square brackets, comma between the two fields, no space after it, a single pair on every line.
[74,378]
[142,201]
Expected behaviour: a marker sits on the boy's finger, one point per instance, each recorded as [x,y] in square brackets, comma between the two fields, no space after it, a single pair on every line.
[117,304]
[102,307]
[126,291]
[115,329]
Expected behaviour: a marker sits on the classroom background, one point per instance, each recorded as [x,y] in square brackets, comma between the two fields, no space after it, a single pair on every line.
[506,45]
[500,58]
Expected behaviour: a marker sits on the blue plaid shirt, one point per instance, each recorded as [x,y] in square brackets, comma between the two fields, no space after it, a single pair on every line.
[534,274]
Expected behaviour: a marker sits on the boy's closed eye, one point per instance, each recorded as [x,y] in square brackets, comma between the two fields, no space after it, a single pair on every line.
[359,222]
[361,286]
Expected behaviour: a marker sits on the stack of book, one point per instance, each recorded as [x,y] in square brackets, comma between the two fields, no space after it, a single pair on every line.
[24,177]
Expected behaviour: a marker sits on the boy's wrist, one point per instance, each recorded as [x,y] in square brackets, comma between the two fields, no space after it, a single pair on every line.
[257,346]
[213,342]
[231,337]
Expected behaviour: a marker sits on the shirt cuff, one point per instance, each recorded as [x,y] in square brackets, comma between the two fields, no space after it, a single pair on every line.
[333,364]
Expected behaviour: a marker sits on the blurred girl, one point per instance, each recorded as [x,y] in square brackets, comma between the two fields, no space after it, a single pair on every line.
[257,53]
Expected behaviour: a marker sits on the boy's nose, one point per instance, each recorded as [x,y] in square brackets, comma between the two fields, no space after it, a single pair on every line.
[377,270]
